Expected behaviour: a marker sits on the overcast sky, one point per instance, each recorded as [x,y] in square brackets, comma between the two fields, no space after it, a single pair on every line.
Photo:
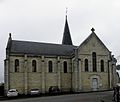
[44,20]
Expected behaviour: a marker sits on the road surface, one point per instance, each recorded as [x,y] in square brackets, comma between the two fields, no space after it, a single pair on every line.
[82,97]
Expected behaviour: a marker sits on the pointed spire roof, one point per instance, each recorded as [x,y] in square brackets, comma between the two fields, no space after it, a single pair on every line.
[66,35]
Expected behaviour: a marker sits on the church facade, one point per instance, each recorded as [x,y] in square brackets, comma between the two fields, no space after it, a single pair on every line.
[35,65]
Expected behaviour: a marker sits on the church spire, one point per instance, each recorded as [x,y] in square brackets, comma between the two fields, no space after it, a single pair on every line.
[66,35]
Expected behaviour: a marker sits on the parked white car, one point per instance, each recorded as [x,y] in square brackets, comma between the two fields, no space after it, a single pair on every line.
[12,93]
[34,92]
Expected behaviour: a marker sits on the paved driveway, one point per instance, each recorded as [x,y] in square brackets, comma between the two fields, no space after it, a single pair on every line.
[83,97]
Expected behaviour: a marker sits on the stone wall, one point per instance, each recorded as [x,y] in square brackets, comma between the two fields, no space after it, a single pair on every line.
[25,79]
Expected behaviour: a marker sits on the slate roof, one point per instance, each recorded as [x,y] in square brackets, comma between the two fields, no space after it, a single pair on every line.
[36,48]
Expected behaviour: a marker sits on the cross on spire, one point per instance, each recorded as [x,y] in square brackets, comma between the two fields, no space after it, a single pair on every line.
[66,11]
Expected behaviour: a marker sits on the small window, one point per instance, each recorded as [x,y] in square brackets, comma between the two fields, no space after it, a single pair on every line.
[86,65]
[65,66]
[94,62]
[16,65]
[50,66]
[34,69]
[102,65]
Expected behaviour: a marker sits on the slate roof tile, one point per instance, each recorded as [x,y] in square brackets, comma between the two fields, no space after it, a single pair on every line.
[37,48]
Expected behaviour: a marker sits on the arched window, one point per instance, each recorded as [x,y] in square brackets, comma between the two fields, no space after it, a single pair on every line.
[94,62]
[50,69]
[86,65]
[34,68]
[65,66]
[16,65]
[102,65]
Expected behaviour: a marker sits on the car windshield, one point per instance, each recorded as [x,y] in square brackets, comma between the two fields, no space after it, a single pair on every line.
[12,91]
[34,89]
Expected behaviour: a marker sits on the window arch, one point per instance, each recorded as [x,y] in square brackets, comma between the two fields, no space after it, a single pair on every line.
[102,65]
[86,65]
[65,66]
[50,65]
[34,68]
[16,65]
[94,62]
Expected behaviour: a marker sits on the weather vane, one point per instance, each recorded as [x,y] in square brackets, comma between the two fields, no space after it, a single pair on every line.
[66,10]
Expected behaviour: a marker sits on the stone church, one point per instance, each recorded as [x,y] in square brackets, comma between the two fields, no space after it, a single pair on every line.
[87,67]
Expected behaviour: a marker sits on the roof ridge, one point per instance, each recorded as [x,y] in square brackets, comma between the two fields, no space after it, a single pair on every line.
[41,42]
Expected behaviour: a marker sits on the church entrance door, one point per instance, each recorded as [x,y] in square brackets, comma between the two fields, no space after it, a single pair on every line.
[94,84]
